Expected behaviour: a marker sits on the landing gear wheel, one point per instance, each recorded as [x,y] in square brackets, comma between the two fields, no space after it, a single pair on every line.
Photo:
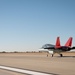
[51,55]
[61,55]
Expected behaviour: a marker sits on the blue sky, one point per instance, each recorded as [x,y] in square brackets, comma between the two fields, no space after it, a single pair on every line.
[29,24]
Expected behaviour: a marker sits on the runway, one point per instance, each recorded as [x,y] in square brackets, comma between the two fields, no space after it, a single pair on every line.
[6,72]
[39,62]
[23,71]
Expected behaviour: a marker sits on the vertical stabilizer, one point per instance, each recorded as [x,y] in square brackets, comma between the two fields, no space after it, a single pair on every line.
[69,42]
[58,43]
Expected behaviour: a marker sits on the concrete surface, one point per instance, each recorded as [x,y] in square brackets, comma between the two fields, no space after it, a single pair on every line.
[40,62]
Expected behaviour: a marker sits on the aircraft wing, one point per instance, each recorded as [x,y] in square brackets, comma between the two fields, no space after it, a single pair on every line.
[73,48]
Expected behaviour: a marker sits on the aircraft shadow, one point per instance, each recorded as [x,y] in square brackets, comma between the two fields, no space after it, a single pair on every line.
[66,56]
[69,56]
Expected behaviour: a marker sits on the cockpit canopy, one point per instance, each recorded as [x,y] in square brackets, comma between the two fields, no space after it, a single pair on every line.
[47,46]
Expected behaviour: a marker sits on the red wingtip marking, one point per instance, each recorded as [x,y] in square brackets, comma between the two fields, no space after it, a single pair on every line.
[69,42]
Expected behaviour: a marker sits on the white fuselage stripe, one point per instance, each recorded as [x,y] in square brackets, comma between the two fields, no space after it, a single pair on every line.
[23,71]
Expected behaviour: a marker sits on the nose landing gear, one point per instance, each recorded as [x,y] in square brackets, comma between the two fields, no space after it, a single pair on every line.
[51,55]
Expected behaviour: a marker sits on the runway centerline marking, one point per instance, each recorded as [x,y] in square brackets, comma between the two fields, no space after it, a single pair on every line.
[23,71]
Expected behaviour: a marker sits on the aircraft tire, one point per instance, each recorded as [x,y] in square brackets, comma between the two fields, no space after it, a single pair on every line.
[51,55]
[61,55]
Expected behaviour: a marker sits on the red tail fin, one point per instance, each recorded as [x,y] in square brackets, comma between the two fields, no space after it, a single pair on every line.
[58,43]
[69,42]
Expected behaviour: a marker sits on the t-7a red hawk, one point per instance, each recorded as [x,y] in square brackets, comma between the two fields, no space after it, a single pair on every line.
[57,48]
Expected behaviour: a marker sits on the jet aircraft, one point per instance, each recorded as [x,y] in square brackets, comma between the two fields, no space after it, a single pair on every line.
[57,48]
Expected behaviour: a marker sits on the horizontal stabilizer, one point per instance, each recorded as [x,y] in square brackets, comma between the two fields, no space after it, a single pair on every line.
[73,48]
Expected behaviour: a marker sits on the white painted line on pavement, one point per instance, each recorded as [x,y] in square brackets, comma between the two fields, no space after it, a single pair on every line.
[23,71]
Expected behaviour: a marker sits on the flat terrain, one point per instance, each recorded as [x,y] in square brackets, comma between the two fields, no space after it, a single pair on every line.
[39,62]
[5,72]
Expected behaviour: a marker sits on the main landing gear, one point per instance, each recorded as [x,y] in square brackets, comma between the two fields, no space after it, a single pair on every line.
[59,54]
